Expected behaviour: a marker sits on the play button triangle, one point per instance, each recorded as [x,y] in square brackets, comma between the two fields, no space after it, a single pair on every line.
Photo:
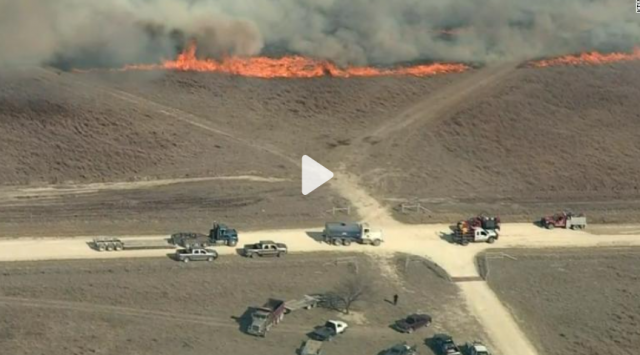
[313,175]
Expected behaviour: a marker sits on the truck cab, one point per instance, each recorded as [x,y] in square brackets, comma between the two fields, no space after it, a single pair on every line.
[483,235]
[259,320]
[221,234]
[370,236]
[263,318]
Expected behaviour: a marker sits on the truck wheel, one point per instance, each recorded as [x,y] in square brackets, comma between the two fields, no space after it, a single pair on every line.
[279,254]
[337,242]
[210,259]
[232,243]
[491,240]
[376,243]
[346,242]
[550,226]
[110,247]
[464,243]
[101,247]
[251,255]
[119,247]
[186,260]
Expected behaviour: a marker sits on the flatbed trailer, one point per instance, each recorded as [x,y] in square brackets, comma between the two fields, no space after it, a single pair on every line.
[307,302]
[117,244]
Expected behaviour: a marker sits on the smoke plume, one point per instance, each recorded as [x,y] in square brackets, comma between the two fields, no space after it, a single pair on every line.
[82,33]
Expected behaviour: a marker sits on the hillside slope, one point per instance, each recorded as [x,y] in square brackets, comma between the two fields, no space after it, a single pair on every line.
[55,129]
[556,134]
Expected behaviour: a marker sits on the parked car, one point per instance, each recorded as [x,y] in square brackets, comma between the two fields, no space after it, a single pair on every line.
[413,322]
[265,248]
[401,349]
[196,254]
[445,345]
[477,348]
[329,330]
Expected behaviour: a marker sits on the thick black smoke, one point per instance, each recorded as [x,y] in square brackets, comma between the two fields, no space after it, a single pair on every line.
[116,32]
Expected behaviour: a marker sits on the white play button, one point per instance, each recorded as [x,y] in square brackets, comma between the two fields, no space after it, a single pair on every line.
[313,175]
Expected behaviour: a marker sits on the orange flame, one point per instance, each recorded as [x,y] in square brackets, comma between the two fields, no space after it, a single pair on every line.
[589,58]
[288,67]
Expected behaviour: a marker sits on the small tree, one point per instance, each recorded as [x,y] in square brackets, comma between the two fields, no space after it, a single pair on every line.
[349,291]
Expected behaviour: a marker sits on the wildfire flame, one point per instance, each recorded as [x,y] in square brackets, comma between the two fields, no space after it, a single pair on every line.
[288,67]
[589,58]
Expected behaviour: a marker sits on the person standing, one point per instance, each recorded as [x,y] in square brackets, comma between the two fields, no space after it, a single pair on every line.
[395,300]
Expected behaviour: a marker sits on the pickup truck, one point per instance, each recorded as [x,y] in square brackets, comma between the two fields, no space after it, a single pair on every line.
[196,254]
[445,345]
[329,330]
[265,248]
[412,323]
[263,318]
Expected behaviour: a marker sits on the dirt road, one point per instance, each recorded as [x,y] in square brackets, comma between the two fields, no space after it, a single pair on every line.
[496,319]
[441,102]
[423,240]
[10,193]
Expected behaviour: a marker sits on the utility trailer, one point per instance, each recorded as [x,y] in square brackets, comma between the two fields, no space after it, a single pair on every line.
[342,233]
[116,244]
[307,302]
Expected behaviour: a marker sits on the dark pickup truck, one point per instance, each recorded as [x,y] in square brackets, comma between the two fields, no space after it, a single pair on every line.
[445,345]
[265,248]
[196,254]
[412,323]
